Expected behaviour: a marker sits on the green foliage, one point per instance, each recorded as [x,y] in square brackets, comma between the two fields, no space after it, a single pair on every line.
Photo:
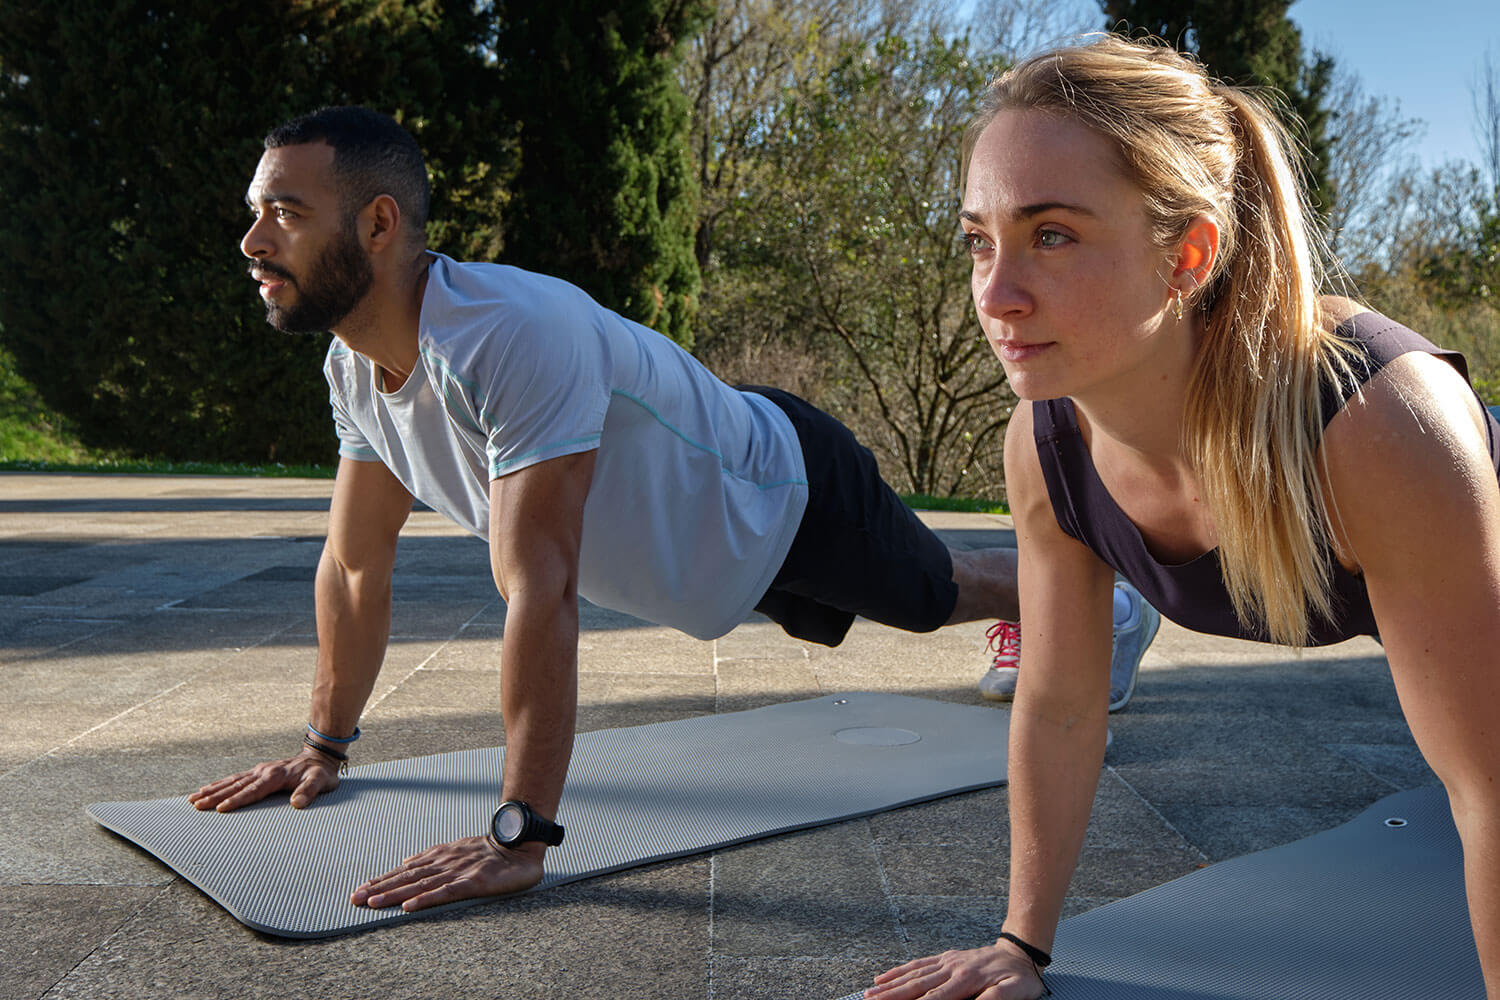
[128,131]
[1469,269]
[1252,43]
[842,241]
[28,430]
[605,195]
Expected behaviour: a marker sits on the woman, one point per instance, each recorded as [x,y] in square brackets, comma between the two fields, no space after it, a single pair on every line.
[1256,460]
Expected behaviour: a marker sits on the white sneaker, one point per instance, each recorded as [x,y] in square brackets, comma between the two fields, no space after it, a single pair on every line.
[1131,638]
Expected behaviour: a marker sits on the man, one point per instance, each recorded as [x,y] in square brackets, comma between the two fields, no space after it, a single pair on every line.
[595,455]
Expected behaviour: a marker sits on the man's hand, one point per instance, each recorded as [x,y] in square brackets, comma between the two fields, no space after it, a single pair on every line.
[306,776]
[463,869]
[997,972]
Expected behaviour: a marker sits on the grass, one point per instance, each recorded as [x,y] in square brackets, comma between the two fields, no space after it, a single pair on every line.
[967,505]
[28,431]
[34,439]
[146,467]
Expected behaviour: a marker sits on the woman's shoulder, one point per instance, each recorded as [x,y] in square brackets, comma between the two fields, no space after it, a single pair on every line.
[1413,432]
[1336,310]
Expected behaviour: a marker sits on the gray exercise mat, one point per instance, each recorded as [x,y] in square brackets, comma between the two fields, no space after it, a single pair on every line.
[1373,908]
[633,796]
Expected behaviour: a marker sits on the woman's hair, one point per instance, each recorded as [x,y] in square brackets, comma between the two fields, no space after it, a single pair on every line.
[1253,418]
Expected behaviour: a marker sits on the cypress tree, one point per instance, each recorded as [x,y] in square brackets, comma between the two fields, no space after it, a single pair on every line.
[605,196]
[1249,43]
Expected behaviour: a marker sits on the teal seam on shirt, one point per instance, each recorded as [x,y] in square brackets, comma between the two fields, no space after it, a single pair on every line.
[702,447]
[497,469]
[454,406]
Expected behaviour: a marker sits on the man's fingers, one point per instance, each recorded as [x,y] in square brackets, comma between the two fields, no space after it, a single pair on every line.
[307,780]
[464,869]
[444,892]
[313,784]
[215,792]
[396,886]
[253,789]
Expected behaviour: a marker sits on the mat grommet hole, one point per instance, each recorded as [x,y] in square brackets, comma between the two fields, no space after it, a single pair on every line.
[1395,821]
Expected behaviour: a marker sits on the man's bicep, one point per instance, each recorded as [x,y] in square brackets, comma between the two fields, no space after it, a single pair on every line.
[536,519]
[369,507]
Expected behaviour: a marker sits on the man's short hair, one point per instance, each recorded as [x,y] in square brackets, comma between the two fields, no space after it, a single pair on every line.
[372,155]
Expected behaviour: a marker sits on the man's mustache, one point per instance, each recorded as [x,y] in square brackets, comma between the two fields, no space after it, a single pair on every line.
[258,269]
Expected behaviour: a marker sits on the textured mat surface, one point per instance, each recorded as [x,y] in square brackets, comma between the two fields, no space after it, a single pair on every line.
[1372,908]
[633,796]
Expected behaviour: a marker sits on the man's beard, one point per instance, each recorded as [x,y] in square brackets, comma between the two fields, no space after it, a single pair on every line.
[336,282]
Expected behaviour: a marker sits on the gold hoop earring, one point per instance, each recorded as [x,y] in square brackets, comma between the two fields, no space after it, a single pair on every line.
[1177,303]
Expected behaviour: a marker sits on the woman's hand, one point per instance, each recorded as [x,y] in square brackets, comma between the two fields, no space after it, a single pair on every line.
[996,972]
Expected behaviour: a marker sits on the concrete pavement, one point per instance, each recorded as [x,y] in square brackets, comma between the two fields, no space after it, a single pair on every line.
[157,632]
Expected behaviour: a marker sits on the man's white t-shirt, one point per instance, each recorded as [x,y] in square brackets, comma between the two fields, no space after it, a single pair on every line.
[698,488]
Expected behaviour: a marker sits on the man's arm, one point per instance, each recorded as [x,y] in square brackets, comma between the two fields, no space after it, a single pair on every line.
[536,526]
[353,601]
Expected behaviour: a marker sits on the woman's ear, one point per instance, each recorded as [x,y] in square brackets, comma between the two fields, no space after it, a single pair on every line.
[1196,254]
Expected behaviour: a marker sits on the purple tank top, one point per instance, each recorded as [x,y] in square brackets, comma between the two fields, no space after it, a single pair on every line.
[1192,594]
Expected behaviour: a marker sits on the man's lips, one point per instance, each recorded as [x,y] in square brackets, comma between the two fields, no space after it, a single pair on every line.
[270,284]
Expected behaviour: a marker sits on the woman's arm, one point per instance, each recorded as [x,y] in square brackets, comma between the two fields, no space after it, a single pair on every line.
[1058,727]
[1416,508]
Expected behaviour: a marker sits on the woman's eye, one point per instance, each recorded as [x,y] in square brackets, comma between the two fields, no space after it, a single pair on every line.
[1048,238]
[973,243]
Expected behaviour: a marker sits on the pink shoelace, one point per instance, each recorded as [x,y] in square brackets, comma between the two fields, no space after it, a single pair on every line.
[1005,642]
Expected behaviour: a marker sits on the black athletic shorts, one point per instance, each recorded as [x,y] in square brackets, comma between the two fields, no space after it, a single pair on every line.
[859,550]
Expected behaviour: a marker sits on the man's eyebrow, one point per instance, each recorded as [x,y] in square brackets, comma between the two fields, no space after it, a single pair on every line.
[277,199]
[1030,211]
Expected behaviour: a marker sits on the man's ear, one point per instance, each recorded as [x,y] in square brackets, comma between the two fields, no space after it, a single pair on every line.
[379,223]
[1196,254]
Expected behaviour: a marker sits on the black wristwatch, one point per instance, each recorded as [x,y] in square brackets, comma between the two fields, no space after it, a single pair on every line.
[514,823]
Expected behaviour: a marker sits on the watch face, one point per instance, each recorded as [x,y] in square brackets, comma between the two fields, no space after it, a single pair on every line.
[510,822]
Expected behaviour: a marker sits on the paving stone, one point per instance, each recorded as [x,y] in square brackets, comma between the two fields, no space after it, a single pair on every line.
[634,934]
[46,931]
[815,892]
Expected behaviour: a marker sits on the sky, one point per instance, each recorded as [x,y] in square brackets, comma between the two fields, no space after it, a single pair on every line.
[1423,54]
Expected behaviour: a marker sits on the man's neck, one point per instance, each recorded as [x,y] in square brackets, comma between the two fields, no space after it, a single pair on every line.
[383,327]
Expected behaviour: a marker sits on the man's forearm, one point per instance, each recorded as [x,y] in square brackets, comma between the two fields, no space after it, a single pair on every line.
[539,696]
[354,623]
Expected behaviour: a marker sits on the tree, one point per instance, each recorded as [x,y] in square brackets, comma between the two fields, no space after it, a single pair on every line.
[605,196]
[1249,43]
[737,73]
[128,133]
[853,255]
[1368,144]
[1485,91]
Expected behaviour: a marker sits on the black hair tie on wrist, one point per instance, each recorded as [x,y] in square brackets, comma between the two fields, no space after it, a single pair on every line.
[1039,958]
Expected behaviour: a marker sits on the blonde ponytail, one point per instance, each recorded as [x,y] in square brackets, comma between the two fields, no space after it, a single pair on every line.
[1253,420]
